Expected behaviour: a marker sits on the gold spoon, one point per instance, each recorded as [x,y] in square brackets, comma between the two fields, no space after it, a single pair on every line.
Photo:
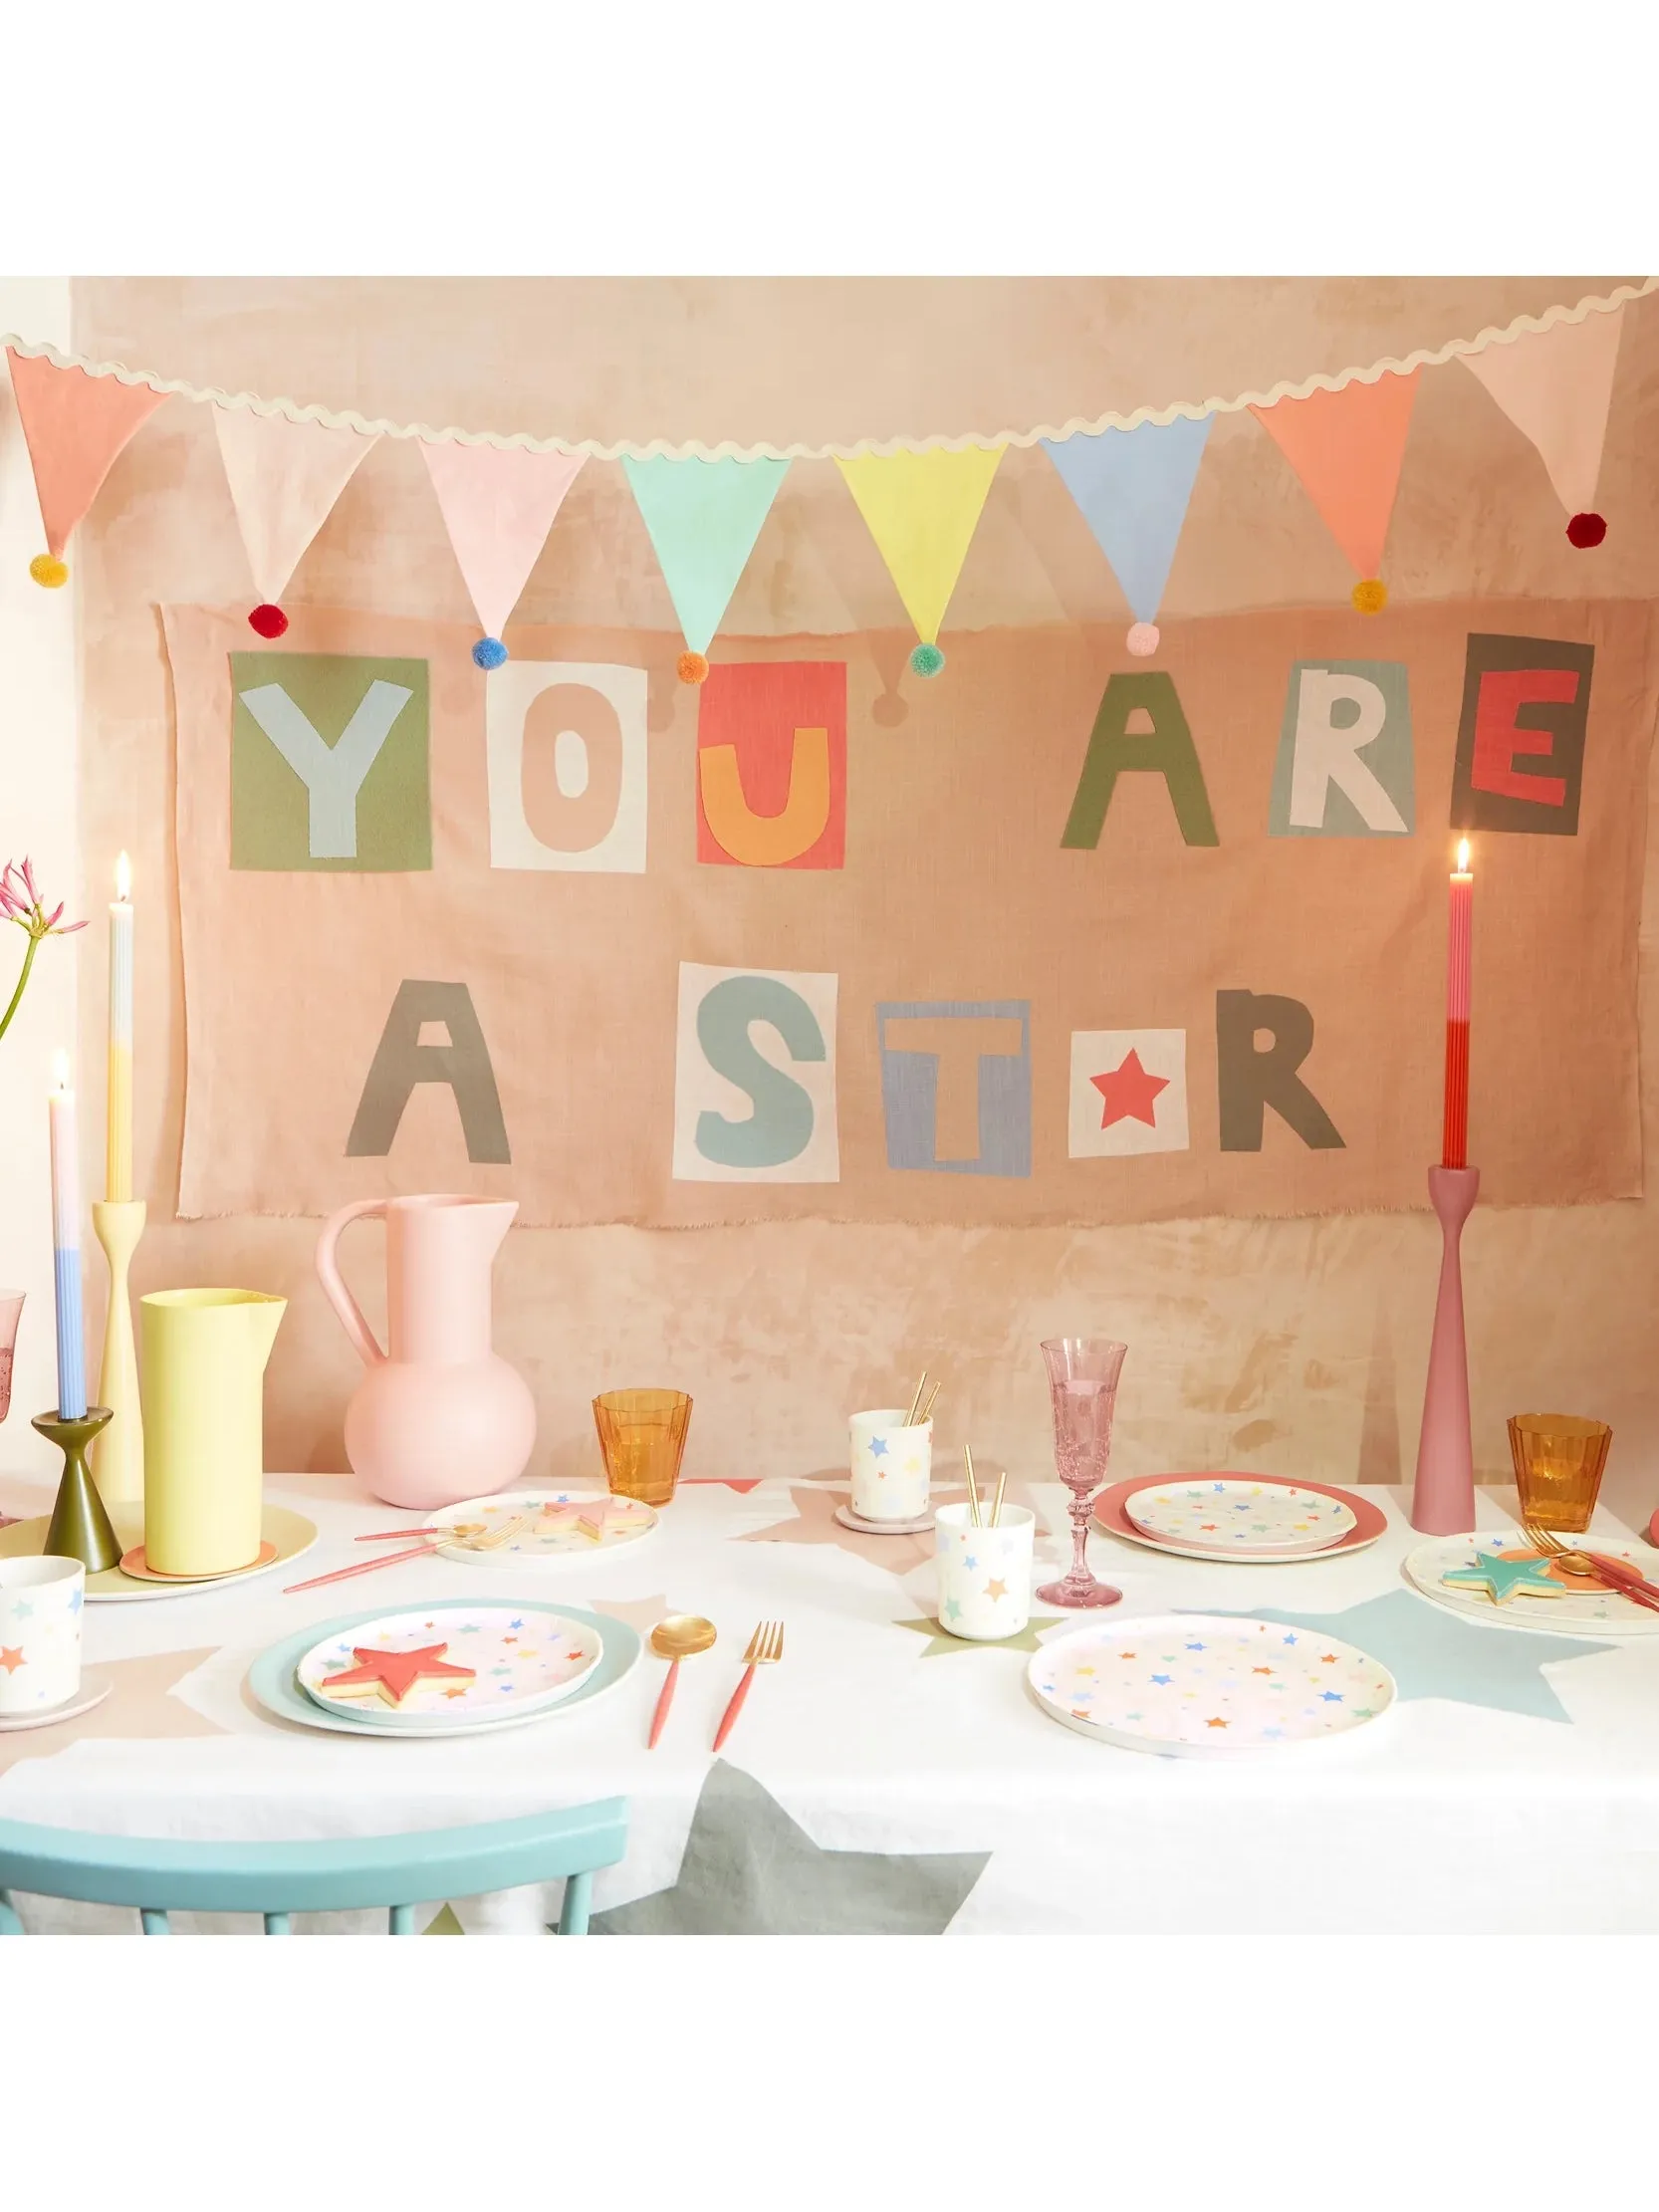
[681,1636]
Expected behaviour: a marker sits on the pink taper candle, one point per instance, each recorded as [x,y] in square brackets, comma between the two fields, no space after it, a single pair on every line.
[1459,944]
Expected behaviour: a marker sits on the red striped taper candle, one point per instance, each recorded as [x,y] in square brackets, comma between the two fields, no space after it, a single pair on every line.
[1455,1150]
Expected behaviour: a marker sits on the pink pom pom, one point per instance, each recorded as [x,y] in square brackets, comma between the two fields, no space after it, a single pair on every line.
[1142,639]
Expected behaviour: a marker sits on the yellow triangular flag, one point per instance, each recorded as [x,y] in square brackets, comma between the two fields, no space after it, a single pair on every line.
[922,510]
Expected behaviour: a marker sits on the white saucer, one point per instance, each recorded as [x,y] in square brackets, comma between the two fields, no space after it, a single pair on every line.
[95,1684]
[850,1520]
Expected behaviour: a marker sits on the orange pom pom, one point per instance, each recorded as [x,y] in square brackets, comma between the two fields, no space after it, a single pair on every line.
[691,668]
[47,569]
[1370,597]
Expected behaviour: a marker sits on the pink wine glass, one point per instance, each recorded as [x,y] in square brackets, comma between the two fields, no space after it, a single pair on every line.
[1082,1384]
[11,1308]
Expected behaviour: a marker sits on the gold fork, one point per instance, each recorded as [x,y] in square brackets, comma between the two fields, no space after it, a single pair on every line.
[766,1646]
[1610,1574]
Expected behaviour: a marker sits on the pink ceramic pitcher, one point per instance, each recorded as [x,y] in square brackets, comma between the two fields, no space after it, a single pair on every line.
[440,1416]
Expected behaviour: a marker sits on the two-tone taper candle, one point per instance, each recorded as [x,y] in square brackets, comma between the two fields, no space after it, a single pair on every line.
[1459,946]
[119,1139]
[66,1245]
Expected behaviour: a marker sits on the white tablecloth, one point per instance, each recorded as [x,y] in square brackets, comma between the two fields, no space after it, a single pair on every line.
[873,1781]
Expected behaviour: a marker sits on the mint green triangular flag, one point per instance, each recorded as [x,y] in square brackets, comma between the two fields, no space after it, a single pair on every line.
[704,518]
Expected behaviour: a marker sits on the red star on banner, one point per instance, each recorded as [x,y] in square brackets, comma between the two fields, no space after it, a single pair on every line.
[1130,1091]
[395,1674]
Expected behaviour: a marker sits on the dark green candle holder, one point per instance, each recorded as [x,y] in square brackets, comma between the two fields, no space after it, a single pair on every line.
[79,1525]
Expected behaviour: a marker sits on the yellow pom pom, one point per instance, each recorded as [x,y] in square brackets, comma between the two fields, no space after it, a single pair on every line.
[691,668]
[47,569]
[1370,597]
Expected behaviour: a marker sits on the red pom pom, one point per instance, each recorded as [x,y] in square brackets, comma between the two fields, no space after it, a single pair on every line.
[1586,530]
[269,621]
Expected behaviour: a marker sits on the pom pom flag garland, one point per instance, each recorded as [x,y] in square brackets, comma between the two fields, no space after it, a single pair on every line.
[498,505]
[1346,447]
[75,427]
[703,518]
[1133,488]
[1555,386]
[922,510]
[284,479]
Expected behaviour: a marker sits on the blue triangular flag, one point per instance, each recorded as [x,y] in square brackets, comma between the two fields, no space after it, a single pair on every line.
[1133,488]
[704,518]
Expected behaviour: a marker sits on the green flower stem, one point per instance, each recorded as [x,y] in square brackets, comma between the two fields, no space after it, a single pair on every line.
[28,963]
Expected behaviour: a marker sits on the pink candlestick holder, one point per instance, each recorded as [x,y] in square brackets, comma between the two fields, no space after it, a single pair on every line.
[1443,1496]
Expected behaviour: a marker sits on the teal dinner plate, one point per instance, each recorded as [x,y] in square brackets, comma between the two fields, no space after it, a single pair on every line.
[272,1675]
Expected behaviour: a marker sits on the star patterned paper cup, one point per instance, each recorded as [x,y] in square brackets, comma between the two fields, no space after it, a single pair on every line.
[892,1465]
[983,1573]
[40,1632]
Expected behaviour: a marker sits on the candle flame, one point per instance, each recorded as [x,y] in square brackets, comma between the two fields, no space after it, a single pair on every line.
[1462,855]
[60,1071]
[124,878]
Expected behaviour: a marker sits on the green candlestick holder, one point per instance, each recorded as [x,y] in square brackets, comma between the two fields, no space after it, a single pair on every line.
[79,1526]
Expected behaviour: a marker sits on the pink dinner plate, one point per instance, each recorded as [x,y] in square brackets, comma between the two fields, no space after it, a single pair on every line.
[1369,1520]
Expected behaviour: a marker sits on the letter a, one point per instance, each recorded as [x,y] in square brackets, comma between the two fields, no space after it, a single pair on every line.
[402,1061]
[1165,750]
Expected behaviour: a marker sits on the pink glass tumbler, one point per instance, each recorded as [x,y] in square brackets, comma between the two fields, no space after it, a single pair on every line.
[1082,1386]
[11,1311]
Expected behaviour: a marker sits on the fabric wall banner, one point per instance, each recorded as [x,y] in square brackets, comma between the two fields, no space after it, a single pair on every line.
[1042,956]
[75,427]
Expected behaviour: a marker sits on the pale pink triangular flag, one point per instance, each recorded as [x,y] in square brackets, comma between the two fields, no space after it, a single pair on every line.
[499,503]
[1346,446]
[1555,386]
[284,480]
[75,425]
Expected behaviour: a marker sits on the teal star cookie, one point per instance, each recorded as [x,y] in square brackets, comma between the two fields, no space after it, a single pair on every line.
[1501,1578]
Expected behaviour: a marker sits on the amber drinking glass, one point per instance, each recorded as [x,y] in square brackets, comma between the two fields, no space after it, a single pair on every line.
[642,1437]
[1559,1458]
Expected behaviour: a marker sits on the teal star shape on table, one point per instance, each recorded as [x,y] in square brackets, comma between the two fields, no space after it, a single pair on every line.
[1504,1576]
[939,1641]
[1435,1653]
[750,1869]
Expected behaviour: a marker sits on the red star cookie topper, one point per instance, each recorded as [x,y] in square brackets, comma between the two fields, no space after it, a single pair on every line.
[393,1674]
[1130,1091]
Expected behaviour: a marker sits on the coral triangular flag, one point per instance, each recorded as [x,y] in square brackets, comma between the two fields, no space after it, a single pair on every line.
[922,510]
[1555,386]
[499,503]
[1346,446]
[284,480]
[704,518]
[1133,488]
[75,427]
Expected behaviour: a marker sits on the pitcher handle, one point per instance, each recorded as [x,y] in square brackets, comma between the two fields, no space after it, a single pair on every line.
[334,1284]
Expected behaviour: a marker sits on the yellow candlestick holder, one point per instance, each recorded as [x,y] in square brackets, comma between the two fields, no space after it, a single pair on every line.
[119,1454]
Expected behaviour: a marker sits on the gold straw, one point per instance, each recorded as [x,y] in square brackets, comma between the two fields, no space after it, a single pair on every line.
[973,1487]
[996,1505]
[911,1418]
[932,1399]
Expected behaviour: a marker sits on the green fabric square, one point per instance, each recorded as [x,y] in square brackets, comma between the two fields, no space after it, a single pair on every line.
[328,762]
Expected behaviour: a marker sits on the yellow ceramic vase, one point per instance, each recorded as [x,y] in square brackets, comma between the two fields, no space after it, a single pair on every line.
[202,1362]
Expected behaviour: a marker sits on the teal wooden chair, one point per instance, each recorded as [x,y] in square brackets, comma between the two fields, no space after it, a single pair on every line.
[157,1876]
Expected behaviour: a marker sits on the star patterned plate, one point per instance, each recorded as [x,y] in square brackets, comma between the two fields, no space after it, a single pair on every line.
[1369,1520]
[1241,1518]
[1207,1686]
[522,1657]
[1556,1602]
[558,1525]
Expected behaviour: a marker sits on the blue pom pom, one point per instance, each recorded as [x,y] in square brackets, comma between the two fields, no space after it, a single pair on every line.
[926,660]
[489,653]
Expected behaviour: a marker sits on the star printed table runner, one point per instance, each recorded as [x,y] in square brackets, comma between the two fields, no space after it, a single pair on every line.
[886,1779]
[1049,939]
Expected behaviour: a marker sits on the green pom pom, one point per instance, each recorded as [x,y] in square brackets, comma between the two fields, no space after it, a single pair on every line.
[926,660]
